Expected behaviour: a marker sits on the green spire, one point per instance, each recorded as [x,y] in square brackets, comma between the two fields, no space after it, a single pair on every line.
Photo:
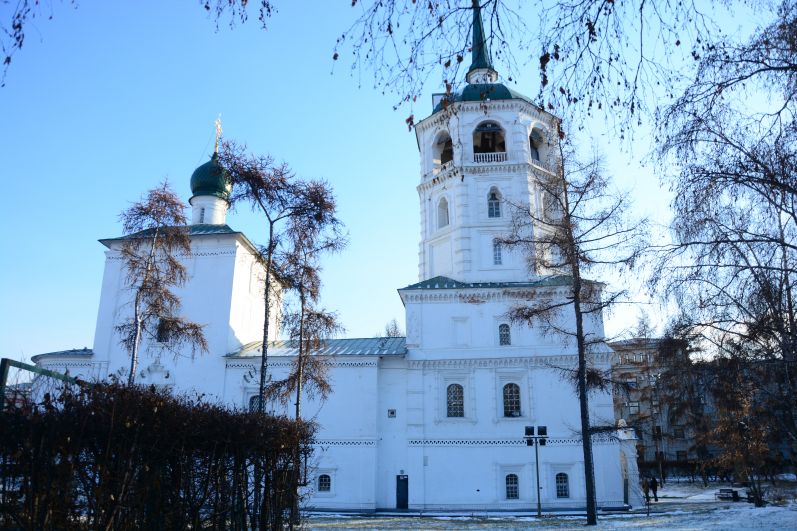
[480,53]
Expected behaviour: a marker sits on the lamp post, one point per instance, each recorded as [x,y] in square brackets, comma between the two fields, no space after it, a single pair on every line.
[536,441]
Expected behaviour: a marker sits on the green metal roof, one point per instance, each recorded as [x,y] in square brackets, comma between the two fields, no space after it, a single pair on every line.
[449,283]
[211,179]
[370,346]
[485,92]
[72,353]
[193,230]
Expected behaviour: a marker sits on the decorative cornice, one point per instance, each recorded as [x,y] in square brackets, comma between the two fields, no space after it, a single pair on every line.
[474,295]
[254,362]
[517,105]
[531,361]
[344,442]
[231,252]
[482,169]
[555,441]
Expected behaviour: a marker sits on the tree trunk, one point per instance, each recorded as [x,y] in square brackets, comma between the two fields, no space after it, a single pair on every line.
[266,300]
[137,312]
[583,399]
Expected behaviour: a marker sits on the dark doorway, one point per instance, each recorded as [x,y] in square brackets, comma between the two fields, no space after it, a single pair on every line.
[402,491]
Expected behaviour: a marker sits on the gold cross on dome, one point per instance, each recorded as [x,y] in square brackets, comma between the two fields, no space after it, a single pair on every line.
[218,133]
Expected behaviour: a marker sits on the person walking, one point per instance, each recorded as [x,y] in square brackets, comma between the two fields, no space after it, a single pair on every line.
[646,489]
[654,486]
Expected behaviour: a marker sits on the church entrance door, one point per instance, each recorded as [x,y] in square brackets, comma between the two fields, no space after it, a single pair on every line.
[402,491]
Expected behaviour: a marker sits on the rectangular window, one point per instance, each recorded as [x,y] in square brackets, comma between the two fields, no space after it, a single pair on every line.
[504,335]
[680,455]
[512,492]
[497,258]
[633,408]
[562,486]
[678,433]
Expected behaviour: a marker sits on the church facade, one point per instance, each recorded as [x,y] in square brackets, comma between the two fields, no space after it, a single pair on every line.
[436,420]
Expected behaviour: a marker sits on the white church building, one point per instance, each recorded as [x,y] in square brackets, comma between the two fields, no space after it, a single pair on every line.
[434,421]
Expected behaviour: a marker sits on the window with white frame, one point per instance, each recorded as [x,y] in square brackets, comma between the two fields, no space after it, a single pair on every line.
[455,401]
[562,485]
[442,213]
[324,483]
[511,400]
[493,204]
[504,335]
[497,259]
[512,491]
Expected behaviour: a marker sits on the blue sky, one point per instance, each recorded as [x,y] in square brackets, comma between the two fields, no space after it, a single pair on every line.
[108,99]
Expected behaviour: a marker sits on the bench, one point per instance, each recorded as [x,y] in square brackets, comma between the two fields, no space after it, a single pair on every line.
[727,494]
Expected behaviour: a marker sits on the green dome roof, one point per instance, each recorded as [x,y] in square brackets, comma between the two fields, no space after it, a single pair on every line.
[485,92]
[211,179]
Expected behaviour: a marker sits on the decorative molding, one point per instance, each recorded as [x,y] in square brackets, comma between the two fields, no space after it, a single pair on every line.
[231,252]
[529,361]
[254,362]
[517,105]
[430,182]
[558,441]
[497,294]
[58,364]
[466,442]
[345,442]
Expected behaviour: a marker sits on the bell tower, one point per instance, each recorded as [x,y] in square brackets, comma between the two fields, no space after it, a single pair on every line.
[482,150]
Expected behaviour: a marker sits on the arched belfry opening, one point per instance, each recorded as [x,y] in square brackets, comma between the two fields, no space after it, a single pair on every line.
[489,143]
[536,141]
[443,149]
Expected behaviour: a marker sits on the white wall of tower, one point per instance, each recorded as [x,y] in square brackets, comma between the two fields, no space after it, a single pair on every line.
[463,248]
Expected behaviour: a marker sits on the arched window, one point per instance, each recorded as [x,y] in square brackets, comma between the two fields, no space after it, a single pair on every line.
[493,204]
[535,142]
[455,401]
[504,336]
[511,400]
[443,149]
[497,255]
[442,213]
[512,492]
[562,486]
[489,138]
[324,483]
[254,403]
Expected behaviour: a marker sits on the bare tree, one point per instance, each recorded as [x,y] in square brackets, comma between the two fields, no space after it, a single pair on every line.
[392,329]
[582,227]
[273,191]
[730,268]
[156,236]
[308,325]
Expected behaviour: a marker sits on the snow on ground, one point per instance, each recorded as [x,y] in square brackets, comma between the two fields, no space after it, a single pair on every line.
[681,506]
[723,517]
